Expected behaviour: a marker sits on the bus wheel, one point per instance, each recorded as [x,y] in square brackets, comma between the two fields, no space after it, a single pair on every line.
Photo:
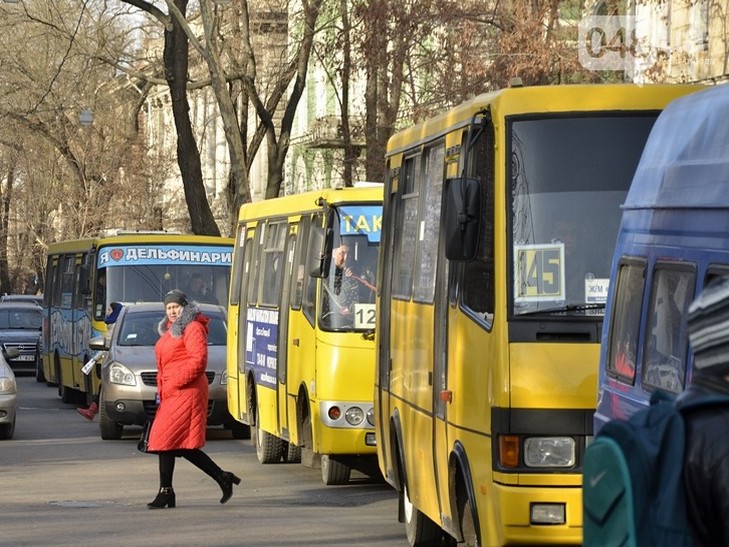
[420,530]
[64,392]
[39,376]
[292,453]
[333,471]
[110,430]
[468,526]
[269,448]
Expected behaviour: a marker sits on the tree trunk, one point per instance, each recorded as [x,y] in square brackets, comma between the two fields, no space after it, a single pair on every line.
[176,58]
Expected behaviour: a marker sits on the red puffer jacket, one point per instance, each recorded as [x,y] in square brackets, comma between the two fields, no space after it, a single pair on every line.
[182,356]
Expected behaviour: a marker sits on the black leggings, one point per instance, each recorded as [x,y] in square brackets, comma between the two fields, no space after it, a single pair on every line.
[195,456]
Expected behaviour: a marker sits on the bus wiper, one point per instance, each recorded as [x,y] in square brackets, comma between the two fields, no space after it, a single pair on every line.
[566,308]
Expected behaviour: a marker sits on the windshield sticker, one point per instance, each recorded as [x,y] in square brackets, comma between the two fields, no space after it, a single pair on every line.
[596,290]
[539,272]
[361,220]
[147,255]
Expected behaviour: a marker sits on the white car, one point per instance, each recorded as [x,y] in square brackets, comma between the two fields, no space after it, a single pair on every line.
[8,396]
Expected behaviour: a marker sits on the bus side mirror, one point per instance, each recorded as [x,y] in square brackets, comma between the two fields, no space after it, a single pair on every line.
[320,251]
[461,218]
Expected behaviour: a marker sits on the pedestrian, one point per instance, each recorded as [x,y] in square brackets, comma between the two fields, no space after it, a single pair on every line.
[178,429]
[112,313]
[706,458]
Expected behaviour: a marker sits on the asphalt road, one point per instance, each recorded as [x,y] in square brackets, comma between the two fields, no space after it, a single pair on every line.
[60,484]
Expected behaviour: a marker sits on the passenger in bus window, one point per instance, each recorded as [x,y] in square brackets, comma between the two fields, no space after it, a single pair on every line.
[199,290]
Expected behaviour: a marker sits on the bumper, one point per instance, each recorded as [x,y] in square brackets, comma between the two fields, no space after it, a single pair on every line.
[8,406]
[136,412]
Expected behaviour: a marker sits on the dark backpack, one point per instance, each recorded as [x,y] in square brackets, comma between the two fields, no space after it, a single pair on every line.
[632,485]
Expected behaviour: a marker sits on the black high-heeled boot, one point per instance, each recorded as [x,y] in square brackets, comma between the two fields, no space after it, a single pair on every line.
[165,498]
[226,480]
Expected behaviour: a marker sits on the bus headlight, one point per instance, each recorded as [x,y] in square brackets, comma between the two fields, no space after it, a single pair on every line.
[354,415]
[119,374]
[371,416]
[549,452]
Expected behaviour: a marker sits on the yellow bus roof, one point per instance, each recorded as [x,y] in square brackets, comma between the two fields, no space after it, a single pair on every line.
[541,100]
[309,201]
[136,238]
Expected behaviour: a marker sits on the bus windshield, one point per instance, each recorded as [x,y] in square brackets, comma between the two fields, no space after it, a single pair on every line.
[348,292]
[136,274]
[569,177]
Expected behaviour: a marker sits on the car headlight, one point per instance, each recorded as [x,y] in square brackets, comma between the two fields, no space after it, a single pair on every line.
[7,386]
[549,452]
[119,374]
[224,378]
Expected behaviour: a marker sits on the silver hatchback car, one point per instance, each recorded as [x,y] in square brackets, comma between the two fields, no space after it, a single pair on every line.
[129,370]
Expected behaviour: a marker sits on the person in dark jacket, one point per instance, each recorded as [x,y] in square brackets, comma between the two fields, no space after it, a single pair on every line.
[178,429]
[706,459]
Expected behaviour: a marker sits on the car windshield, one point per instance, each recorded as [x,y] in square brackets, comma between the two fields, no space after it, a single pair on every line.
[140,329]
[20,319]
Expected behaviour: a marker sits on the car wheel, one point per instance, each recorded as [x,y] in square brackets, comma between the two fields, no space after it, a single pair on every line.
[110,430]
[7,430]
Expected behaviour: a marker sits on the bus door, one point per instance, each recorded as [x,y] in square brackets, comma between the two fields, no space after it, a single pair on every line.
[300,340]
[51,303]
[431,286]
[270,339]
[285,260]
[82,319]
[242,323]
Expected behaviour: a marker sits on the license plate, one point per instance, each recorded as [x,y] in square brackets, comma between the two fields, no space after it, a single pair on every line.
[25,358]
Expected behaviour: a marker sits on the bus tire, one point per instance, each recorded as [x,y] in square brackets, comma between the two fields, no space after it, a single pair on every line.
[66,394]
[110,430]
[269,448]
[292,453]
[334,471]
[420,530]
[39,376]
[468,525]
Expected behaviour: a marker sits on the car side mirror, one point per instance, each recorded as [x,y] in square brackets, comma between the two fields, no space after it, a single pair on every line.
[98,343]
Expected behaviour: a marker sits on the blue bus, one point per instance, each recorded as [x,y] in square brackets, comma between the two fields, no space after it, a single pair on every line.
[673,239]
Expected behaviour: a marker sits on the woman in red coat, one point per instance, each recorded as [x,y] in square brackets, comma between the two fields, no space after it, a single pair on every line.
[178,429]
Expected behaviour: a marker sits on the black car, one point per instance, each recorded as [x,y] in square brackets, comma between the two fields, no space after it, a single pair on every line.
[20,328]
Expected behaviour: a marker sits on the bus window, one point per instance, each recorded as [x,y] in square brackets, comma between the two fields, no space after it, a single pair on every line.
[407,228]
[664,357]
[348,292]
[273,267]
[299,275]
[623,342]
[566,204]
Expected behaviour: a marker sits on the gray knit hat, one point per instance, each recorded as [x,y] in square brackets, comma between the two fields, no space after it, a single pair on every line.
[176,296]
[708,324]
